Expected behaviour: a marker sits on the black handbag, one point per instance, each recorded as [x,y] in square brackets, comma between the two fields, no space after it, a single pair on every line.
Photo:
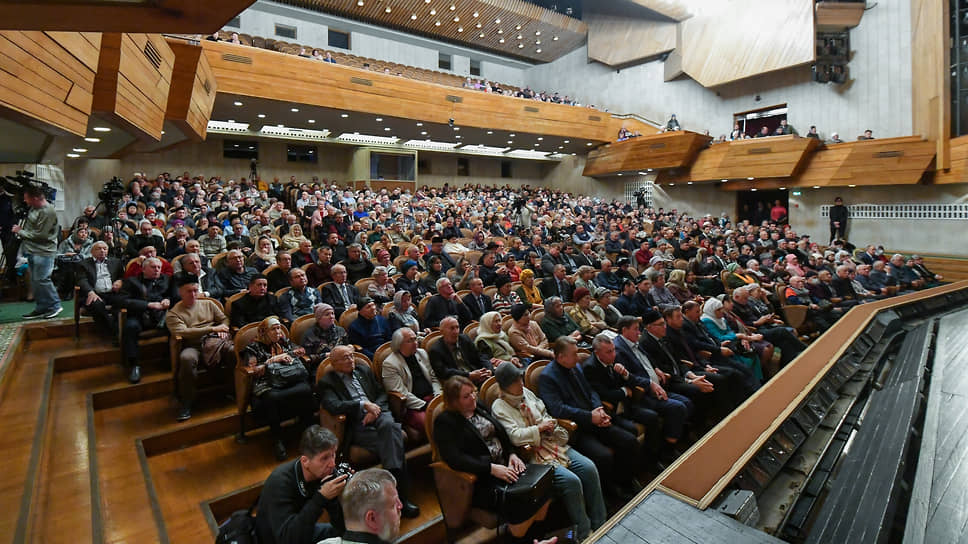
[519,501]
[282,376]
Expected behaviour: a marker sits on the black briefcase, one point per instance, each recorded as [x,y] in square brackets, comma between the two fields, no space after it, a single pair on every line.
[522,499]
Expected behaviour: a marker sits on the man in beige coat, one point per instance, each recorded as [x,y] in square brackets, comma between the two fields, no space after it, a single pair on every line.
[407,372]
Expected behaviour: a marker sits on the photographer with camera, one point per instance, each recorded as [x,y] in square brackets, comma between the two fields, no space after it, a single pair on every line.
[296,493]
[39,235]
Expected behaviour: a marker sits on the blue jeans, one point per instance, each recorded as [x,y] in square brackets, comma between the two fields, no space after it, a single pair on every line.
[580,490]
[45,295]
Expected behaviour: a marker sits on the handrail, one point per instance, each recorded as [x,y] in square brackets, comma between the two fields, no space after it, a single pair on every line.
[638,117]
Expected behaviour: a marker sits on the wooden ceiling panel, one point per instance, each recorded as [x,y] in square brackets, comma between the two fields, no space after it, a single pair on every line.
[673,9]
[481,24]
[616,40]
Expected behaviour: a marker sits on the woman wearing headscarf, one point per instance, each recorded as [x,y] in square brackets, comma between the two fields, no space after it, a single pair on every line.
[279,389]
[325,335]
[493,342]
[604,308]
[293,238]
[793,266]
[264,254]
[526,337]
[714,319]
[679,288]
[529,292]
[737,276]
[527,423]
[403,314]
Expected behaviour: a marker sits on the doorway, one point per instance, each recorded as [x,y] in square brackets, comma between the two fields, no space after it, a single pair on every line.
[755,205]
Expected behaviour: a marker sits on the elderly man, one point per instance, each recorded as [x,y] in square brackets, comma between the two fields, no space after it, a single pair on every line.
[557,285]
[299,299]
[99,279]
[304,255]
[905,276]
[455,355]
[279,275]
[340,294]
[254,306]
[931,279]
[445,303]
[608,441]
[145,237]
[352,390]
[212,241]
[556,323]
[372,508]
[754,313]
[864,278]
[235,276]
[207,343]
[208,285]
[147,298]
[369,330]
[607,278]
[552,259]
[407,372]
[477,302]
[357,265]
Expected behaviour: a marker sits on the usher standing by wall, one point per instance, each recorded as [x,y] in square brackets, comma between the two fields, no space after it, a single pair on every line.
[39,235]
[838,220]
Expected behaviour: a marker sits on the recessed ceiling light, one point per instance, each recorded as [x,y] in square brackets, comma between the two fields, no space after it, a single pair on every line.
[650,170]
[478,25]
[672,185]
[294,110]
[517,27]
[387,129]
[452,7]
[475,14]
[388,10]
[379,119]
[460,29]
[554,39]
[281,126]
[783,188]
[537,32]
[231,120]
[561,147]
[102,129]
[236,103]
[426,1]
[345,115]
[80,150]
[261,116]
[359,3]
[456,19]
[538,50]
[540,138]
[724,180]
[750,179]
[567,141]
[73,155]
[92,140]
[753,189]
[413,17]
[437,23]
[500,31]
[311,121]
[520,46]
[589,144]
[816,186]
[848,186]
[433,12]
[512,135]
[458,136]
[520,36]
[537,42]
[481,35]
[423,132]
[690,183]
[163,133]
[497,21]
[620,173]
[456,128]
[510,141]
[536,145]
[501,40]
[490,132]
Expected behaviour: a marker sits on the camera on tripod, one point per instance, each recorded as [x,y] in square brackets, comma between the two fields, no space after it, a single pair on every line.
[110,196]
[16,186]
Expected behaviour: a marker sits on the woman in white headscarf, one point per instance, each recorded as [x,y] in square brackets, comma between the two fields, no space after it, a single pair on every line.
[493,342]
[714,319]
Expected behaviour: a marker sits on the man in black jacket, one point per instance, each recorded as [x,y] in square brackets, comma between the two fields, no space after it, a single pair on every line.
[352,390]
[557,285]
[445,303]
[235,276]
[699,340]
[147,298]
[144,238]
[99,279]
[455,355]
[477,302]
[255,305]
[297,492]
[838,220]
[340,294]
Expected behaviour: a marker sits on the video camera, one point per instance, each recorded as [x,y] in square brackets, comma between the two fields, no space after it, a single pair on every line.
[16,186]
[110,196]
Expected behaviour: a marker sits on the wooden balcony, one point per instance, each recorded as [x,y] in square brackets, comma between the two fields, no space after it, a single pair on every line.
[192,93]
[667,150]
[772,157]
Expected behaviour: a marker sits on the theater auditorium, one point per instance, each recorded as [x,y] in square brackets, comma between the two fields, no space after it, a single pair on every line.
[483,271]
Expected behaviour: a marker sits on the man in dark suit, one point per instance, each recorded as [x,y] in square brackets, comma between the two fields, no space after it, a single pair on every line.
[587,257]
[476,301]
[99,279]
[628,302]
[255,305]
[610,442]
[144,238]
[455,355]
[445,303]
[674,408]
[234,277]
[551,259]
[147,298]
[340,294]
[557,285]
[720,356]
[352,390]
[437,250]
[616,385]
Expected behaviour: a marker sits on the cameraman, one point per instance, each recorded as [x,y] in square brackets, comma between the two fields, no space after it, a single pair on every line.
[297,492]
[39,235]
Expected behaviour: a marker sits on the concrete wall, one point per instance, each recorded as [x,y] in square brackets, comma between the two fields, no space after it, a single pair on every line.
[879,97]
[312,29]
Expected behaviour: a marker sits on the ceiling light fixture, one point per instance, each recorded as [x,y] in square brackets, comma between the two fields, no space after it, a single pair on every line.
[490,132]
[517,27]
[460,29]
[437,23]
[538,50]
[294,110]
[456,19]
[481,35]
[452,7]
[163,133]
[231,120]
[476,14]
[537,42]
[520,46]
[561,147]
[387,129]
[73,155]
[345,115]
[520,36]
[500,31]
[80,150]
[750,179]
[379,119]
[540,138]
[478,25]
[567,141]
[311,121]
[433,12]
[554,39]
[413,17]
[359,3]
[501,40]
[102,129]
[419,124]
[92,140]
[388,10]
[456,128]
[423,132]
[261,116]
[236,103]
[589,144]
[512,135]
[816,186]
[458,136]
[537,32]
[497,21]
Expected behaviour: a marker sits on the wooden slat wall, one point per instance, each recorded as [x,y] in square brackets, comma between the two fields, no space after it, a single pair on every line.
[930,79]
[276,76]
[193,88]
[47,79]
[615,39]
[129,87]
[747,38]
[668,150]
[958,168]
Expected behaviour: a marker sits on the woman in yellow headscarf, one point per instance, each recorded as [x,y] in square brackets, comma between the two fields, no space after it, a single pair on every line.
[529,291]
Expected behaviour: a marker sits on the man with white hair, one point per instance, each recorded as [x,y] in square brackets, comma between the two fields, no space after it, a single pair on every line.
[371,509]
[147,298]
[445,303]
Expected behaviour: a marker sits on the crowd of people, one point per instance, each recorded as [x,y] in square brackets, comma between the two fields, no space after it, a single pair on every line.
[646,319]
[737,133]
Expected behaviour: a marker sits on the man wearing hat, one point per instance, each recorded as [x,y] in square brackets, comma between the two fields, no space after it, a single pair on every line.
[206,344]
[437,250]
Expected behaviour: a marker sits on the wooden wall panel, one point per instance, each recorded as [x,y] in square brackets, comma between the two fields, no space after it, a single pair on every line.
[837,16]
[616,40]
[667,150]
[133,80]
[958,169]
[193,88]
[47,79]
[277,76]
[745,38]
[632,124]
[930,81]
[774,157]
